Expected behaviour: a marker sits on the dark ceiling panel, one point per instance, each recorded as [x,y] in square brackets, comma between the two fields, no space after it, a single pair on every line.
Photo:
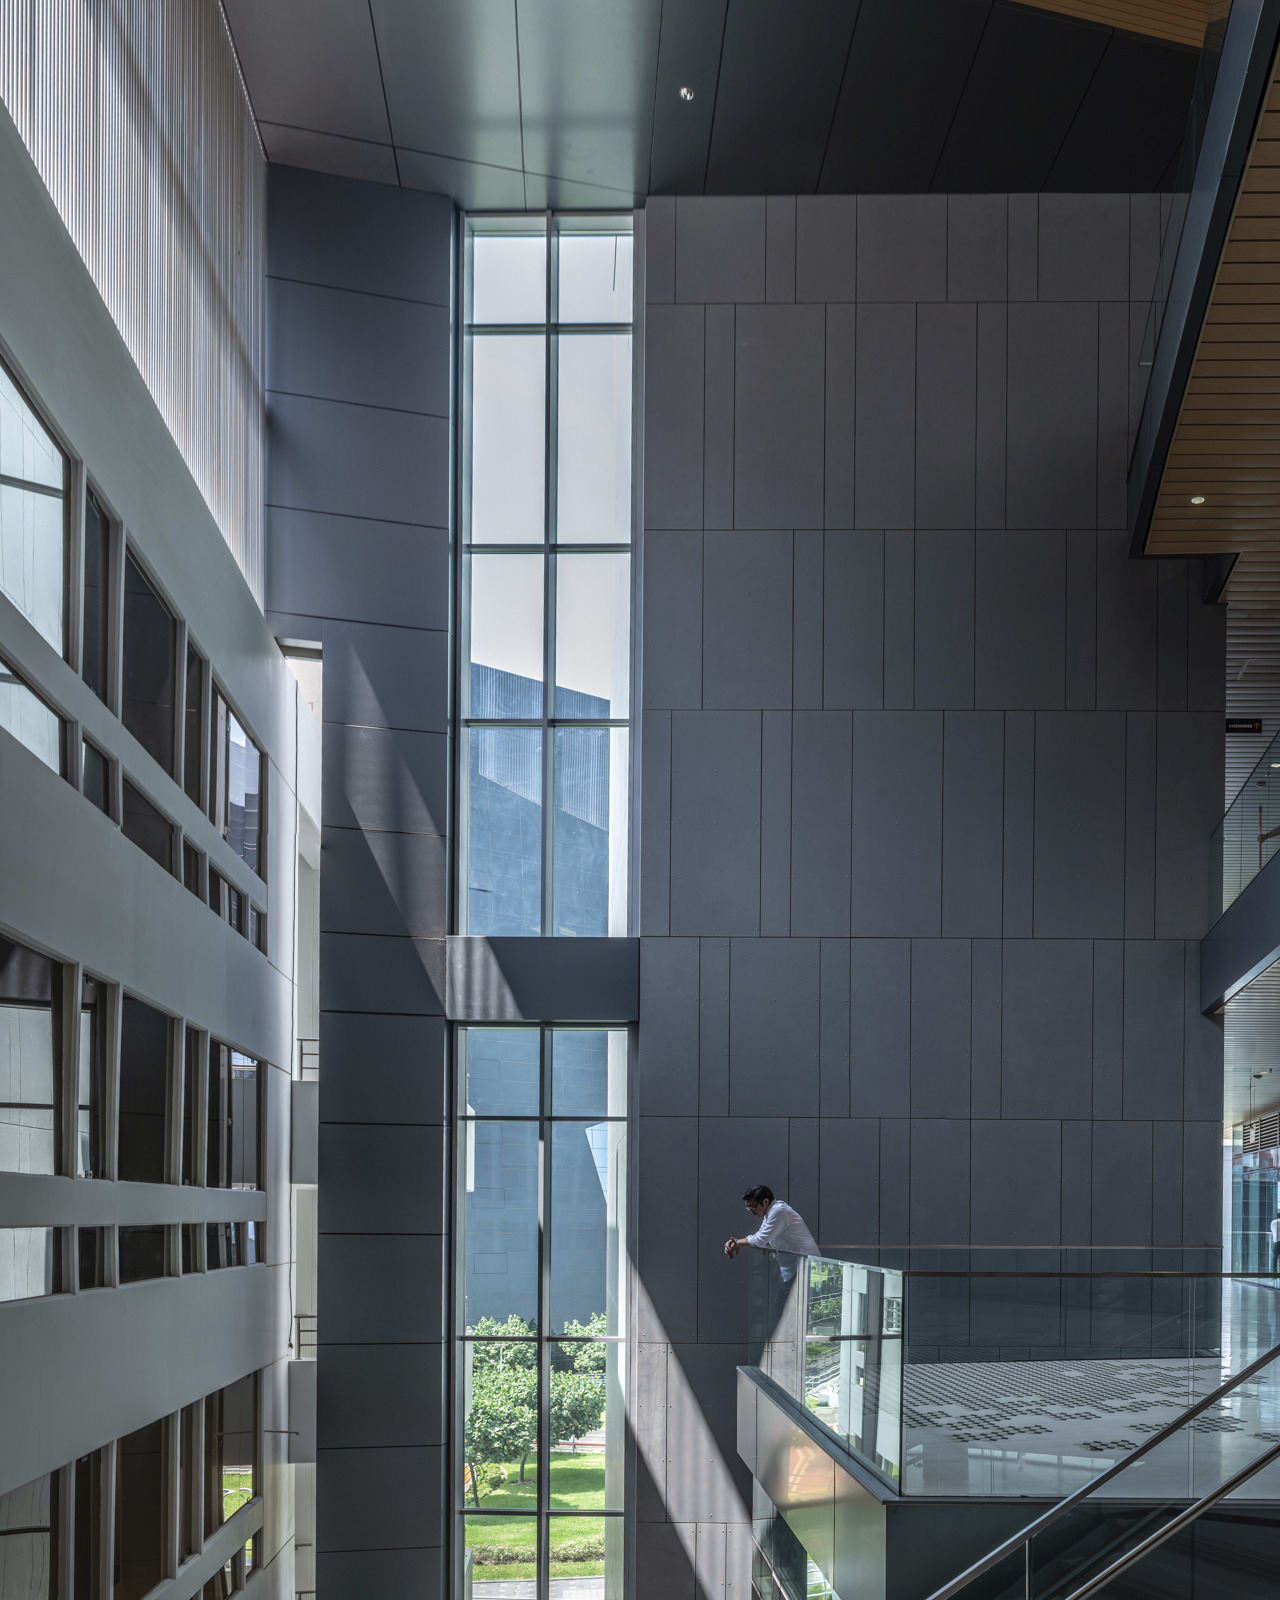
[688,58]
[587,71]
[327,152]
[780,75]
[1028,78]
[451,79]
[473,185]
[906,74]
[311,64]
[1130,125]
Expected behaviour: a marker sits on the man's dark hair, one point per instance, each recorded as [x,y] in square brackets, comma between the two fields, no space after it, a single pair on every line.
[761,1195]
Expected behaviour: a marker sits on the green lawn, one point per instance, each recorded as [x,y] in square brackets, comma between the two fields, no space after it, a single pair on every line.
[577,1484]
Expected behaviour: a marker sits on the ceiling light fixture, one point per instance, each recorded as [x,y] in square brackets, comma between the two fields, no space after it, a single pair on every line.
[1197,499]
[686,94]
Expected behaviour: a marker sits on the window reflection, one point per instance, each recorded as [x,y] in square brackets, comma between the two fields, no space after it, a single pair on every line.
[546,811]
[91,1252]
[24,714]
[232,1150]
[28,1541]
[28,1263]
[27,1076]
[236,772]
[147,700]
[192,744]
[32,516]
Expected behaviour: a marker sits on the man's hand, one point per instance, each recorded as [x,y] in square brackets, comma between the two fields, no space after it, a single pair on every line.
[731,1248]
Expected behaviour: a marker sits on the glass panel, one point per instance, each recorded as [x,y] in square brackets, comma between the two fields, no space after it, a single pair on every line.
[509,278]
[144,1075]
[239,1444]
[191,742]
[508,426]
[222,1245]
[244,795]
[32,557]
[587,1426]
[26,1061]
[588,1072]
[218,1121]
[89,1531]
[28,1262]
[593,473]
[501,1255]
[506,636]
[146,827]
[91,1078]
[147,699]
[27,449]
[590,859]
[501,1550]
[588,1189]
[499,1071]
[504,866]
[595,277]
[190,1088]
[500,1427]
[190,867]
[141,1254]
[97,778]
[586,1557]
[187,1487]
[26,1542]
[190,1246]
[244,1121]
[29,720]
[593,636]
[139,1513]
[97,598]
[91,1248]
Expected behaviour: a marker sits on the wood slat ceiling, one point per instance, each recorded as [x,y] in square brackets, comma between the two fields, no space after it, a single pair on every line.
[1226,445]
[1179,21]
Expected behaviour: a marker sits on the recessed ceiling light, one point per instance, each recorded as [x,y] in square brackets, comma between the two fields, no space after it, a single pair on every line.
[1275,764]
[686,94]
[1197,499]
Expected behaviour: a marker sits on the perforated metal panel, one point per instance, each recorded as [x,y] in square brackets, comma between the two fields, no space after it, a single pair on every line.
[136,118]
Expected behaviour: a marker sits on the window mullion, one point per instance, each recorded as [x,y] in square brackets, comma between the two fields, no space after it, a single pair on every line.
[544,1314]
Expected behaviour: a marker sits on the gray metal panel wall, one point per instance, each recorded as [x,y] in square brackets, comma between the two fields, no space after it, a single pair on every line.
[359,383]
[930,774]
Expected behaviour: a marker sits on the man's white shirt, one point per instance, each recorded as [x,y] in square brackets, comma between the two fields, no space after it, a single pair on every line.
[783,1228]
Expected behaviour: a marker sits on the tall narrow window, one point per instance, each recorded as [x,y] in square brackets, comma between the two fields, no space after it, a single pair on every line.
[547,575]
[192,746]
[236,786]
[28,1541]
[91,1076]
[33,543]
[541,1336]
[138,1547]
[232,1149]
[97,597]
[144,1077]
[147,708]
[25,715]
[28,1077]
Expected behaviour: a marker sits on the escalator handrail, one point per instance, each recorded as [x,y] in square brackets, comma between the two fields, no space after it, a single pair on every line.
[1180,1521]
[1063,1506]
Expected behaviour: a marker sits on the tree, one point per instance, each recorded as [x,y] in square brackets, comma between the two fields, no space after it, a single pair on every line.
[577,1404]
[502,1424]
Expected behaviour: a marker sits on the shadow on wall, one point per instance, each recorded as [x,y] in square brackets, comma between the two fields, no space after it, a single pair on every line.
[693,1514]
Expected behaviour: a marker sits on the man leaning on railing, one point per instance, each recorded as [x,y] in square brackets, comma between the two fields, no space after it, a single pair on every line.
[782,1229]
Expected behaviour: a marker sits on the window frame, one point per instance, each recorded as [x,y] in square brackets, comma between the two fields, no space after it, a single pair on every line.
[544,1118]
[550,547]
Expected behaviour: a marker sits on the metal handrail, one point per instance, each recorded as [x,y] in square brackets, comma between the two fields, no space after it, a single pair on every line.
[1179,1522]
[1063,1506]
